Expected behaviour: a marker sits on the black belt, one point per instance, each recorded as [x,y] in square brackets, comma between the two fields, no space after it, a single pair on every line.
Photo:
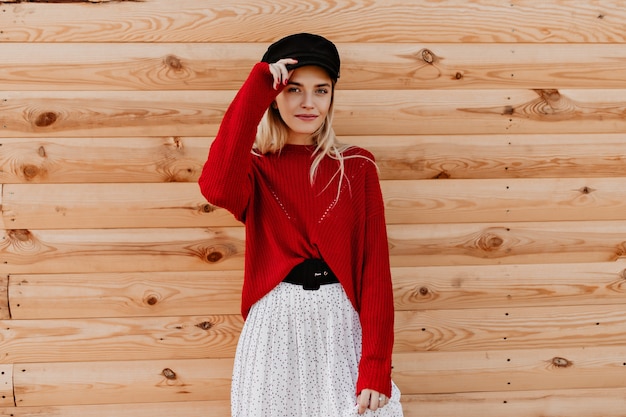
[311,273]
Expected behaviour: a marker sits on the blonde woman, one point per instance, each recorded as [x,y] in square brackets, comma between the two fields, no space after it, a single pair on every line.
[317,296]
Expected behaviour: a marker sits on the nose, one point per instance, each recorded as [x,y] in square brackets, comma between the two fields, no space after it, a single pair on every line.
[307,100]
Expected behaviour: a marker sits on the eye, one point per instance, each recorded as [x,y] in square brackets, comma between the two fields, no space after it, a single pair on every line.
[322,91]
[293,90]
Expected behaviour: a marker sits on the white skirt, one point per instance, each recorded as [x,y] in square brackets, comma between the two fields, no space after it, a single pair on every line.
[298,356]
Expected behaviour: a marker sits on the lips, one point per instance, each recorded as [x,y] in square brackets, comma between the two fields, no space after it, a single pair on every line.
[306,117]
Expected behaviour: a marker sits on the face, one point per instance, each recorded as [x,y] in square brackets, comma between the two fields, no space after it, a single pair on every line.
[304,103]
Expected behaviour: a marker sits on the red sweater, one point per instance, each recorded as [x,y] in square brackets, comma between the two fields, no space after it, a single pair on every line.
[288,220]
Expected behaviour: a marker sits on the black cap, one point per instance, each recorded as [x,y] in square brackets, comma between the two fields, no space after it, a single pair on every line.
[307,49]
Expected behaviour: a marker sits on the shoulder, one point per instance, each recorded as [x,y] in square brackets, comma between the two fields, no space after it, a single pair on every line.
[351,151]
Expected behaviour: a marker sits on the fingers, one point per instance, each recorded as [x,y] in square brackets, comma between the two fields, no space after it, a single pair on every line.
[370,399]
[279,71]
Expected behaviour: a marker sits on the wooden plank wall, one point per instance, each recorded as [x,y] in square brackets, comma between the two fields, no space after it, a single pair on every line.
[500,132]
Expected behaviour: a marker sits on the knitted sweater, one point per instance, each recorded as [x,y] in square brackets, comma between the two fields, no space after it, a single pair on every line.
[288,219]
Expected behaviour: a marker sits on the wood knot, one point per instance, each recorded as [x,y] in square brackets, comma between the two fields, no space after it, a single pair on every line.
[207,208]
[205,325]
[490,242]
[586,190]
[152,300]
[21,235]
[424,291]
[173,62]
[428,56]
[443,175]
[46,119]
[214,256]
[30,171]
[458,76]
[168,373]
[508,110]
[561,362]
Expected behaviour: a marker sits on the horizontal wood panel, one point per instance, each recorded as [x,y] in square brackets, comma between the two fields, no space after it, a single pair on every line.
[365,66]
[121,250]
[595,402]
[490,329]
[6,385]
[219,408]
[42,296]
[265,21]
[503,372]
[599,402]
[112,382]
[197,249]
[102,160]
[502,243]
[125,294]
[135,205]
[180,159]
[188,337]
[530,369]
[508,286]
[404,112]
[135,338]
[77,206]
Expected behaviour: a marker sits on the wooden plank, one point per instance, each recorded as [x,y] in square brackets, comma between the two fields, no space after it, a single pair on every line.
[365,66]
[506,243]
[163,409]
[119,382]
[403,112]
[180,159]
[508,286]
[153,294]
[598,402]
[135,205]
[195,249]
[102,160]
[497,156]
[486,329]
[502,200]
[121,250]
[5,311]
[134,338]
[34,296]
[78,206]
[6,385]
[553,21]
[505,371]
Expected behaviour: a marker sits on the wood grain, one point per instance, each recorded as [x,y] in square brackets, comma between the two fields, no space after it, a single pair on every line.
[509,286]
[556,21]
[162,409]
[180,159]
[84,206]
[488,329]
[119,382]
[403,112]
[121,250]
[102,160]
[139,294]
[365,66]
[134,338]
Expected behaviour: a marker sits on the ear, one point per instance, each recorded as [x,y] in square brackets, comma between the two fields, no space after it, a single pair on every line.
[274,105]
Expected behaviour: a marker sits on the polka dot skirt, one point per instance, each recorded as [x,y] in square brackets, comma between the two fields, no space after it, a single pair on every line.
[298,356]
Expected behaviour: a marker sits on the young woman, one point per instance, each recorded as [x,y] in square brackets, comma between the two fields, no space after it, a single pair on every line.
[317,296]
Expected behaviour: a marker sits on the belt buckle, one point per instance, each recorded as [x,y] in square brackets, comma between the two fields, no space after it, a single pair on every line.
[311,281]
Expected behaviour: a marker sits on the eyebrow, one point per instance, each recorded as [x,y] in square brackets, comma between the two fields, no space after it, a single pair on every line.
[300,84]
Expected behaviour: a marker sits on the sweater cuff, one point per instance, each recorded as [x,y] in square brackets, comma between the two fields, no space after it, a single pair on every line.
[375,376]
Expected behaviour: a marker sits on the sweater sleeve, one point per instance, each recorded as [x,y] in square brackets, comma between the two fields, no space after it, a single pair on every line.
[226,176]
[376,310]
